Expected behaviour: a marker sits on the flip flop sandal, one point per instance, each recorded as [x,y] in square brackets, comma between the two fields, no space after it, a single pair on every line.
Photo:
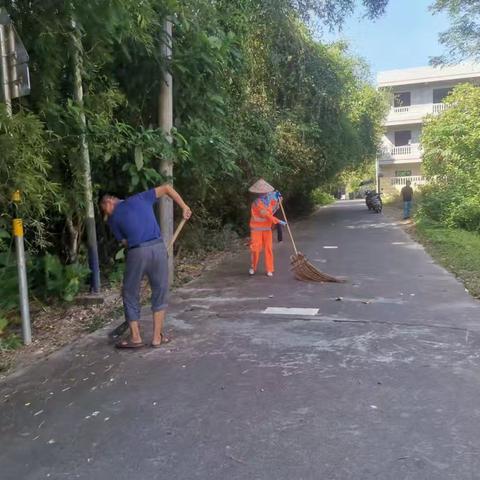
[165,340]
[128,344]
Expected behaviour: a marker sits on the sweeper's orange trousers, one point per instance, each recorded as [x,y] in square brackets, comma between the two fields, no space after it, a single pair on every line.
[262,240]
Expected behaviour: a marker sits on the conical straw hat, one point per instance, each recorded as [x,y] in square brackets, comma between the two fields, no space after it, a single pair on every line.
[261,187]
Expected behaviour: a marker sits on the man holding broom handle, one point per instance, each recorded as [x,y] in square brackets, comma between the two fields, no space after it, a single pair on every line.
[133,223]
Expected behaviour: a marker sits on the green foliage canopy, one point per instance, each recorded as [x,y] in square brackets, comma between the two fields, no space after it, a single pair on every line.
[462,39]
[451,143]
[255,95]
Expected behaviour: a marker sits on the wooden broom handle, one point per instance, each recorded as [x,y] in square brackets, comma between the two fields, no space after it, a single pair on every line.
[177,233]
[288,227]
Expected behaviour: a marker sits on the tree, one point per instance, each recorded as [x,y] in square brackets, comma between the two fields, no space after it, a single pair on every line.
[462,39]
[24,166]
[451,143]
[332,12]
[255,95]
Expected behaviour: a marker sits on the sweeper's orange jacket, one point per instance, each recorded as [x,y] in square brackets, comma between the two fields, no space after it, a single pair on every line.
[261,221]
[262,213]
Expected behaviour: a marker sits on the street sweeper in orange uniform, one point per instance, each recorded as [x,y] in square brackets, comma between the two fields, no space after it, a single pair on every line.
[262,219]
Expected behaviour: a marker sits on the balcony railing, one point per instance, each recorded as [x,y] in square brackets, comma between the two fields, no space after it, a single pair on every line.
[412,149]
[401,109]
[414,112]
[403,150]
[404,153]
[439,107]
[402,181]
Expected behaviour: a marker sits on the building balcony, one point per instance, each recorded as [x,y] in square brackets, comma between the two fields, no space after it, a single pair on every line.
[413,113]
[405,154]
[402,181]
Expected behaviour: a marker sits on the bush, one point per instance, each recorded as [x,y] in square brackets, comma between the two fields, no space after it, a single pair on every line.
[51,279]
[435,203]
[465,214]
[9,282]
[451,152]
[47,277]
[320,197]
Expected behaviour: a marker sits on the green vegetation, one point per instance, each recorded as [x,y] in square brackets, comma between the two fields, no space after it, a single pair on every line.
[320,197]
[455,249]
[351,179]
[462,39]
[451,151]
[255,95]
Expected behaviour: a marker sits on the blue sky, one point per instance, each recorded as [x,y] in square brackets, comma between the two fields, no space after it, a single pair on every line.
[406,36]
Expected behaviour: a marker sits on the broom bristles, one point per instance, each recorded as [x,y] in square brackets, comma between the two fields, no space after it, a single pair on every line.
[306,272]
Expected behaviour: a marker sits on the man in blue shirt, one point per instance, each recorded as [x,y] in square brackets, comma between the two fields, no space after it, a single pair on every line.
[134,224]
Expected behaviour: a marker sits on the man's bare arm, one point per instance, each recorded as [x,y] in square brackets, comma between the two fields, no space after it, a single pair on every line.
[175,196]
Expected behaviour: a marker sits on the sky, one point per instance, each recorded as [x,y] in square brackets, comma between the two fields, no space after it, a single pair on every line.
[406,36]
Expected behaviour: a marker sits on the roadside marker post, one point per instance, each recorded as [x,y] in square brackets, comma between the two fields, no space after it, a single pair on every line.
[17,225]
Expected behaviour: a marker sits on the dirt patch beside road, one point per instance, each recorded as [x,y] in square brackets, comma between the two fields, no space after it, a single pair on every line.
[55,326]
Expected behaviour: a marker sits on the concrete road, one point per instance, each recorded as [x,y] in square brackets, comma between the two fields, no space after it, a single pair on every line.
[383,382]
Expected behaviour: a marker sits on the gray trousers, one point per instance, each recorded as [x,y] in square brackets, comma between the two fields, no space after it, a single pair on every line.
[149,260]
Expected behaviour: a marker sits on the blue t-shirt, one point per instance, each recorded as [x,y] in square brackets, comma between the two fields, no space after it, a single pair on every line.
[134,220]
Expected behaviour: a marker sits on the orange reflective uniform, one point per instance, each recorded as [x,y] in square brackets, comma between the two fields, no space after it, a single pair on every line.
[261,222]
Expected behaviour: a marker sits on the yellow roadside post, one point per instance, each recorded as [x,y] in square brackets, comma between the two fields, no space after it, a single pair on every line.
[17,225]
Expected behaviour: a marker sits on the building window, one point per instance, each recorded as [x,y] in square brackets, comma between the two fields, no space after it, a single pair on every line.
[403,173]
[403,137]
[439,94]
[401,99]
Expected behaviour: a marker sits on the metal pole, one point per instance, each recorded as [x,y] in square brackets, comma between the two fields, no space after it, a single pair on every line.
[377,173]
[165,121]
[85,158]
[5,69]
[22,273]
[13,78]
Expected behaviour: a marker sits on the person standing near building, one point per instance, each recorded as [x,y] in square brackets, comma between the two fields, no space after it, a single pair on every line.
[133,223]
[262,219]
[407,196]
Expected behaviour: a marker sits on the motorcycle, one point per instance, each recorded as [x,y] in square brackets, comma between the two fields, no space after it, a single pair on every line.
[373,200]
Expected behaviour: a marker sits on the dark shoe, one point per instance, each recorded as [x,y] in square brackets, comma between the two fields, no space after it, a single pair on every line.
[128,344]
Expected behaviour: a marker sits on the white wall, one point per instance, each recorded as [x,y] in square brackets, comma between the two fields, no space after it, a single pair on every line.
[389,137]
[423,94]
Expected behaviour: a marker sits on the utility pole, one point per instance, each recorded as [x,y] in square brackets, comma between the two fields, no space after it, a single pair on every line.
[15,82]
[165,122]
[85,160]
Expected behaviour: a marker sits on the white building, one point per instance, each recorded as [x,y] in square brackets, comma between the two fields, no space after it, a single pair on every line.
[416,92]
